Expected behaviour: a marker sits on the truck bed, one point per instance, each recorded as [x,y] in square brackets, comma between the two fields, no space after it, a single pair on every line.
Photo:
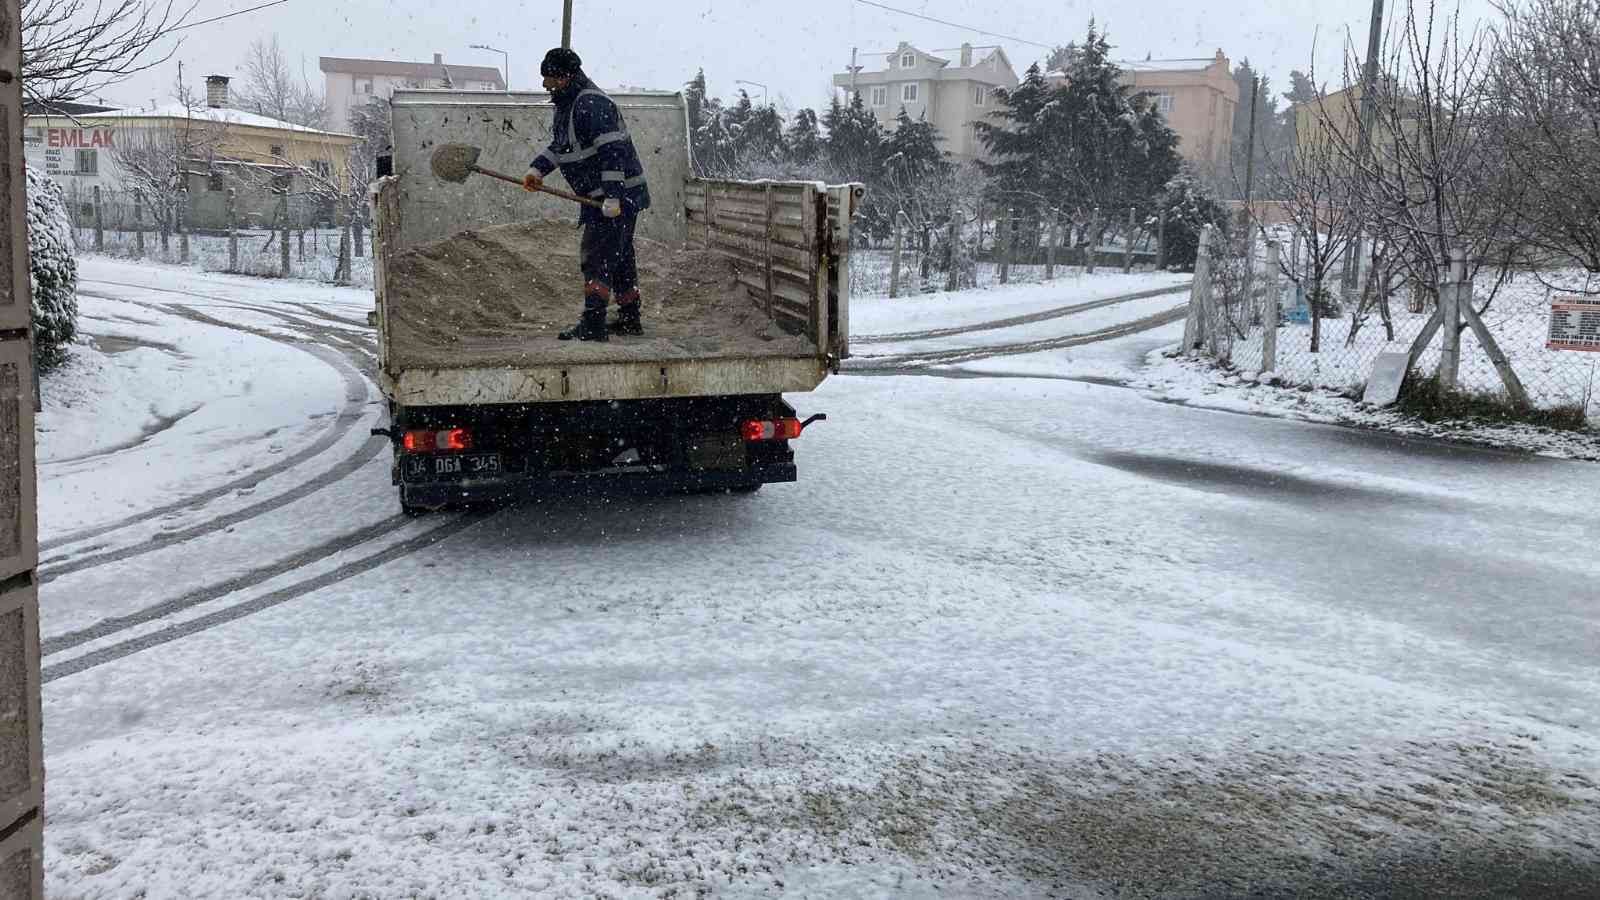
[498,297]
[745,285]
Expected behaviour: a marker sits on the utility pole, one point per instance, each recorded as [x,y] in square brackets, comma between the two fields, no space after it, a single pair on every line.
[854,71]
[566,24]
[1250,149]
[1369,112]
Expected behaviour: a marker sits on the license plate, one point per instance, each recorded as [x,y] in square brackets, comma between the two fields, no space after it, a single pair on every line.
[431,468]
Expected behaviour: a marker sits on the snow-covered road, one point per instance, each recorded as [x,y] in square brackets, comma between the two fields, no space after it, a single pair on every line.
[1008,636]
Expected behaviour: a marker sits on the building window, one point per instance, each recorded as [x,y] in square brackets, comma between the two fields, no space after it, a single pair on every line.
[215,183]
[908,60]
[908,93]
[322,167]
[363,85]
[1162,102]
[981,95]
[880,96]
[88,162]
[276,151]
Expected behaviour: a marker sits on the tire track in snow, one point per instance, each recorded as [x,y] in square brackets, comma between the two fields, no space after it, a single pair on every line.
[1031,318]
[912,361]
[240,610]
[358,393]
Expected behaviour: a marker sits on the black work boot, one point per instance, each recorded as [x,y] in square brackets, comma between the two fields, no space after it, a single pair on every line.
[627,320]
[592,326]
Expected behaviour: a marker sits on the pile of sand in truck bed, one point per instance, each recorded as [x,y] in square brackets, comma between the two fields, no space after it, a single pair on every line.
[499,296]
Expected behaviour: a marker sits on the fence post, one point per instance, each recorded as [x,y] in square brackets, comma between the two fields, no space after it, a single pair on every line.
[233,231]
[1127,252]
[1009,224]
[183,227]
[1194,326]
[1161,241]
[358,233]
[301,240]
[1486,340]
[1450,306]
[1050,248]
[283,234]
[99,222]
[138,224]
[894,261]
[952,278]
[1092,241]
[1269,308]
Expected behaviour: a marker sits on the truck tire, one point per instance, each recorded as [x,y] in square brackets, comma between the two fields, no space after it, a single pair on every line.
[414,510]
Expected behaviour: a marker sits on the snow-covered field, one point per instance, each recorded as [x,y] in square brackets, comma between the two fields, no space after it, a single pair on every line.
[1008,636]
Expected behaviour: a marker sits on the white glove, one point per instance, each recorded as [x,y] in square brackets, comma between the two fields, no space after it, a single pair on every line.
[611,208]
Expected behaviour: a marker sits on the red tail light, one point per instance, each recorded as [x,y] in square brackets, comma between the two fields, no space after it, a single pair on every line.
[431,441]
[772,429]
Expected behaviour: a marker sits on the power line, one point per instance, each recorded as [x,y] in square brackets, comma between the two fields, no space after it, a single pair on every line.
[992,34]
[238,12]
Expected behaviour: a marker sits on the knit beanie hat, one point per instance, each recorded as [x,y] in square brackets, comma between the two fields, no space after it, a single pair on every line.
[560,63]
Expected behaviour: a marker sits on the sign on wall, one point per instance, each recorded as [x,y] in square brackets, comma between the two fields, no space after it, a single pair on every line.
[68,151]
[1575,324]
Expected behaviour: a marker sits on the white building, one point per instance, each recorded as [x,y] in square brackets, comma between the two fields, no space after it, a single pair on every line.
[951,93]
[352,83]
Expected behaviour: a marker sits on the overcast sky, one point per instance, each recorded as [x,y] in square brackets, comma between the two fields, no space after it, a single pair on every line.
[794,46]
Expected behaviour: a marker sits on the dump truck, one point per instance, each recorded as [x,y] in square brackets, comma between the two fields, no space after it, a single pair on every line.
[484,406]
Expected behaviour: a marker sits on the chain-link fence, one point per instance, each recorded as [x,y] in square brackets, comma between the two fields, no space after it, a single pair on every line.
[1335,344]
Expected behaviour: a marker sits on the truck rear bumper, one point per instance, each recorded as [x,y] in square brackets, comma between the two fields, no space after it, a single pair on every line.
[615,483]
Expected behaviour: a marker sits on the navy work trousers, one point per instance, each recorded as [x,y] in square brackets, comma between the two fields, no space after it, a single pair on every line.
[608,260]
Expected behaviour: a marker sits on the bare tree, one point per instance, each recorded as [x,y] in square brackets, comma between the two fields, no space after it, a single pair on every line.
[73,48]
[270,87]
[1547,91]
[1435,181]
[1434,177]
[1317,193]
[158,160]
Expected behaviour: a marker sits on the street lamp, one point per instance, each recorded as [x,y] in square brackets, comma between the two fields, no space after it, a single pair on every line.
[502,53]
[755,84]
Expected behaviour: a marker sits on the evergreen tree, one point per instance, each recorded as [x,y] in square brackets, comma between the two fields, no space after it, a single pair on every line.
[1301,88]
[759,141]
[1269,133]
[694,97]
[1097,162]
[855,141]
[1021,139]
[804,138]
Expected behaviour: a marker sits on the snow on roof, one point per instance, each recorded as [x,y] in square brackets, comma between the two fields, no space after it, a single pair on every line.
[225,116]
[1166,65]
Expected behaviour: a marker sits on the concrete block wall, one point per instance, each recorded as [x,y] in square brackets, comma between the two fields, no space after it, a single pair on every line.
[21,750]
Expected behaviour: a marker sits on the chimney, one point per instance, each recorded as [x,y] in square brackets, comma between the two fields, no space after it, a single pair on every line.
[217,91]
[966,56]
[438,59]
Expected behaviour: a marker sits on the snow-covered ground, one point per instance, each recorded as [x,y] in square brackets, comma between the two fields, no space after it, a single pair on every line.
[875,316]
[1008,636]
[209,253]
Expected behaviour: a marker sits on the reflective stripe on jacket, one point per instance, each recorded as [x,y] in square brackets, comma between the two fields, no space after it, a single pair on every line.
[591,147]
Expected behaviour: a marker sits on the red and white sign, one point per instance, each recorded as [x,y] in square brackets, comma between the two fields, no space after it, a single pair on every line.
[1575,324]
[85,138]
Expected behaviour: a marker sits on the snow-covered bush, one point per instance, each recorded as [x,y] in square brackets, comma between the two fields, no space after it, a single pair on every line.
[54,270]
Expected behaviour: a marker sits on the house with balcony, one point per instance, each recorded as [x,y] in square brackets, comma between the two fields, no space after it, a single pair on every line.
[950,88]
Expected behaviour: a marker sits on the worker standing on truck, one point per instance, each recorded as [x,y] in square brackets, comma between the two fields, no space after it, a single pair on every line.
[590,145]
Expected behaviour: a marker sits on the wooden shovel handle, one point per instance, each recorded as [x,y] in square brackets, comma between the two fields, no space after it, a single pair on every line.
[586,201]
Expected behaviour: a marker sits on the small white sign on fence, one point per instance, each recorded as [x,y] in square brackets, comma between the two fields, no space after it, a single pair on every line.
[1575,324]
[1388,374]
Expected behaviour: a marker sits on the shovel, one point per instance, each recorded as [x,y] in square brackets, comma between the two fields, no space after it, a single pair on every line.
[457,162]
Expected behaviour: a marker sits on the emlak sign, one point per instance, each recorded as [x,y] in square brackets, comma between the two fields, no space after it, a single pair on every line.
[85,138]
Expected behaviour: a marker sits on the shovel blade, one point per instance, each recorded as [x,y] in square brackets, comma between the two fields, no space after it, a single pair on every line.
[455,162]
